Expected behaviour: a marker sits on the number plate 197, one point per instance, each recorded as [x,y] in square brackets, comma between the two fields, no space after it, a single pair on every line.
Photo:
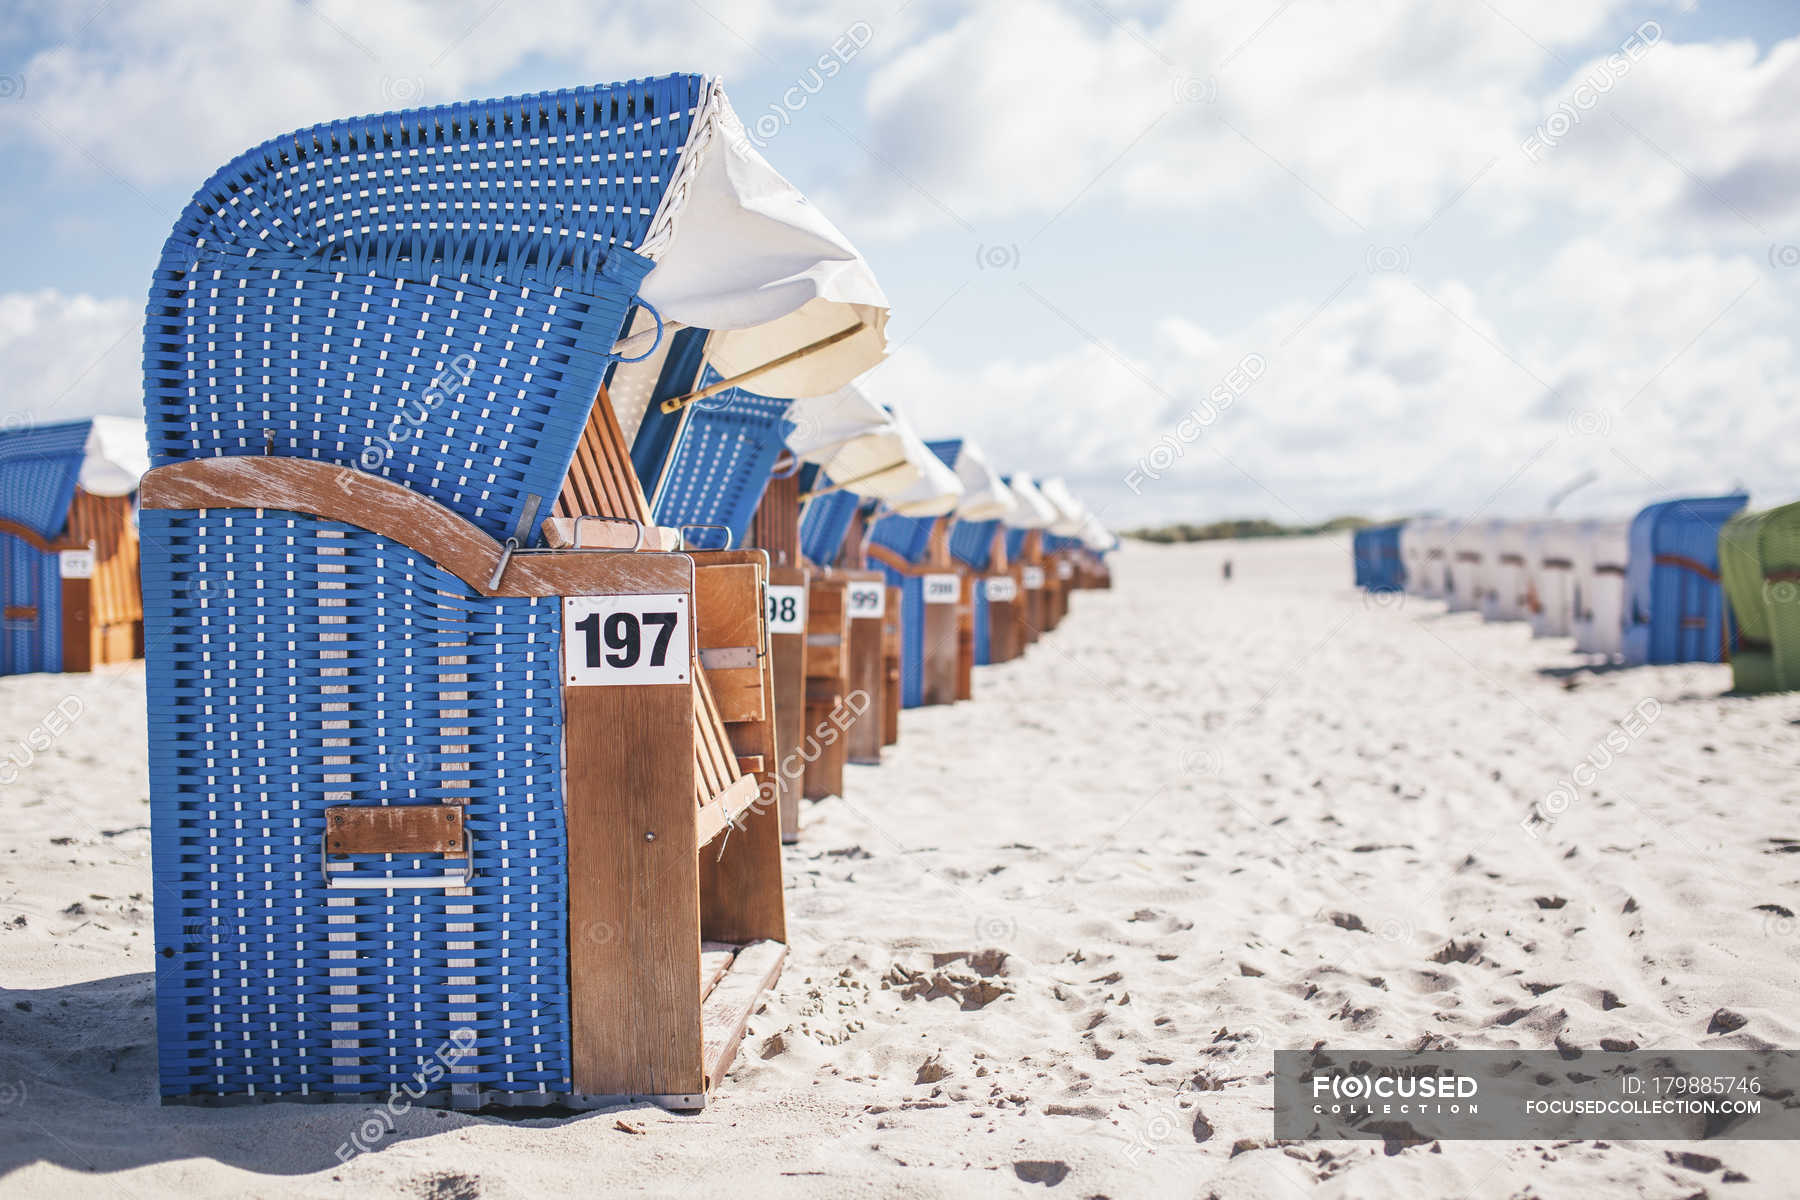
[609,641]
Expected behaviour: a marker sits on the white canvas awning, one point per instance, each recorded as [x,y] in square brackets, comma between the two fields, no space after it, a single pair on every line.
[116,457]
[872,451]
[1033,511]
[739,251]
[985,495]
[1069,511]
[1097,537]
[937,491]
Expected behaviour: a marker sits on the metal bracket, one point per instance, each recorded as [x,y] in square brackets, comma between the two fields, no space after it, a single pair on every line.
[346,881]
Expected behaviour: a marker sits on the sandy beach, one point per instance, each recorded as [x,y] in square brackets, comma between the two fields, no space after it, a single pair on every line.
[1052,943]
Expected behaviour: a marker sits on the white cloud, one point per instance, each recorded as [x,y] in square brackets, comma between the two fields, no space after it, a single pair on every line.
[64,357]
[1396,400]
[1382,109]
[166,93]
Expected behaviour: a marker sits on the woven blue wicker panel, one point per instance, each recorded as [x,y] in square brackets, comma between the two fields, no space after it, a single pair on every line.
[824,521]
[909,537]
[912,635]
[983,654]
[720,464]
[1673,613]
[38,470]
[29,582]
[1015,542]
[430,296]
[304,663]
[972,542]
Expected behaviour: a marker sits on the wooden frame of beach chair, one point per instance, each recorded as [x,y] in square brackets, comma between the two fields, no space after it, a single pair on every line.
[915,553]
[1025,548]
[1778,546]
[980,548]
[775,527]
[865,599]
[68,559]
[892,639]
[675,920]
[824,746]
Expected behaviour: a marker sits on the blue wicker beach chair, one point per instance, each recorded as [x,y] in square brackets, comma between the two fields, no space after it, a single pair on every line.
[443,796]
[69,545]
[1675,608]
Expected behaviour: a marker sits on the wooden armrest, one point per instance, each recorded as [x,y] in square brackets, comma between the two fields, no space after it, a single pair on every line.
[396,512]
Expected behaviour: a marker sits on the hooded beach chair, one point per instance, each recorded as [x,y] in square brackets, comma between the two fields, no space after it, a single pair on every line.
[1027,525]
[978,542]
[1778,554]
[908,538]
[69,545]
[988,590]
[1375,550]
[1675,610]
[1600,550]
[1550,583]
[1062,538]
[1503,572]
[1470,549]
[1751,598]
[443,797]
[1422,553]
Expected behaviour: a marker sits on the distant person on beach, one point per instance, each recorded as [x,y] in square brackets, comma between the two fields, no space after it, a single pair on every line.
[1225,570]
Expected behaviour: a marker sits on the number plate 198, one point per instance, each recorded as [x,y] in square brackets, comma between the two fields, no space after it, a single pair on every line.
[942,589]
[609,641]
[787,609]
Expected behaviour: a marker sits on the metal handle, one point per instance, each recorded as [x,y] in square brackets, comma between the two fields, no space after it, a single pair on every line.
[724,529]
[342,879]
[637,525]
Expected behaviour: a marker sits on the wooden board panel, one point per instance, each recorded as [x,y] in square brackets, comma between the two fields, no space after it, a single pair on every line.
[867,676]
[736,997]
[77,625]
[890,658]
[965,635]
[788,662]
[940,656]
[396,829]
[601,481]
[634,894]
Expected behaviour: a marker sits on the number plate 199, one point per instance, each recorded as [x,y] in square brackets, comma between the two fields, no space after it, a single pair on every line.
[609,641]
[867,599]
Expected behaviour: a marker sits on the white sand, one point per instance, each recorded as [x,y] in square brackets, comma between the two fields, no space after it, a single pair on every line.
[1057,935]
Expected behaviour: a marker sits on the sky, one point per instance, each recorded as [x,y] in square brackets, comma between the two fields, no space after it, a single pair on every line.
[1279,258]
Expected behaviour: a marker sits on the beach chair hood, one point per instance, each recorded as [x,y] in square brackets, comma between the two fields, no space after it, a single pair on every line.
[1097,537]
[740,252]
[938,490]
[1033,510]
[859,445]
[1070,514]
[985,495]
[116,456]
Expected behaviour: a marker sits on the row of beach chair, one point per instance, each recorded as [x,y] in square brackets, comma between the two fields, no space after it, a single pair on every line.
[1645,591]
[517,558]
